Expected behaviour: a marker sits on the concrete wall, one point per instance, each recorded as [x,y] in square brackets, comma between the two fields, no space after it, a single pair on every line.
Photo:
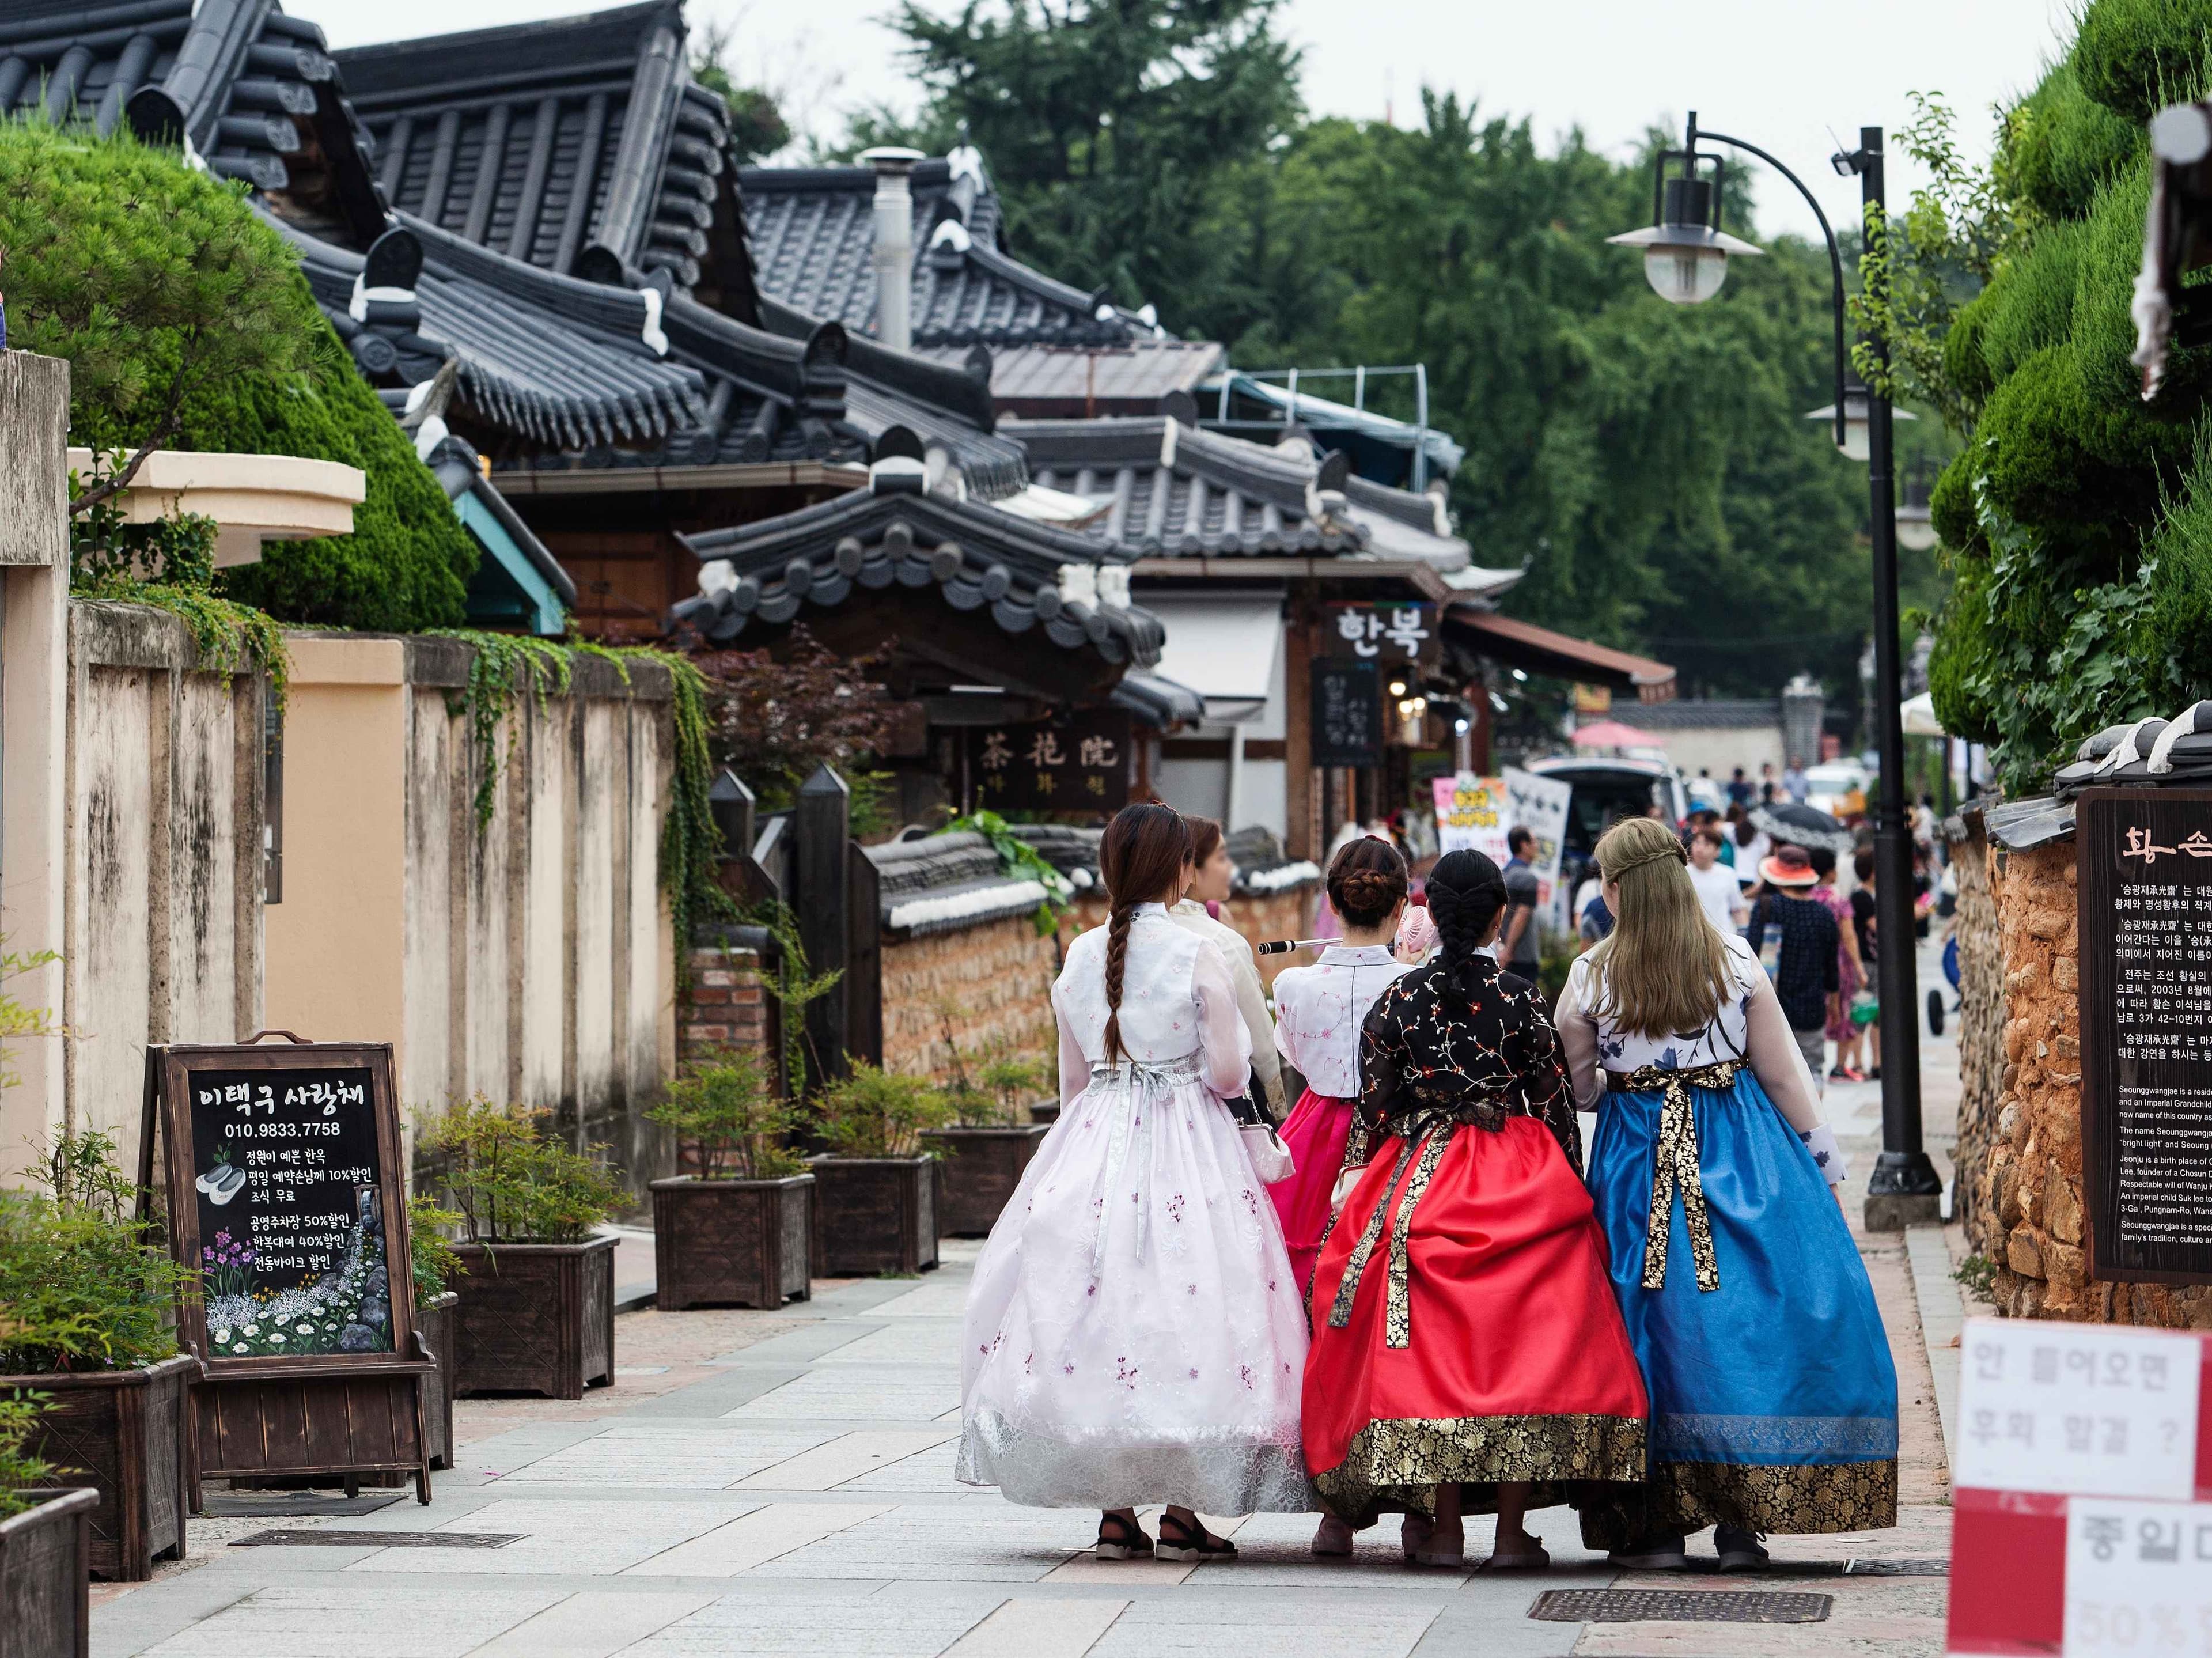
[1720,749]
[527,958]
[2029,1189]
[163,854]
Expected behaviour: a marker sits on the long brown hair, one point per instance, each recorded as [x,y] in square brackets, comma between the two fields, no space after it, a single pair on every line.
[1367,879]
[1141,860]
[1664,969]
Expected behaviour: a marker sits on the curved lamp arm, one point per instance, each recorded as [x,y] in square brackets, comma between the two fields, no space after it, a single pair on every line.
[1835,255]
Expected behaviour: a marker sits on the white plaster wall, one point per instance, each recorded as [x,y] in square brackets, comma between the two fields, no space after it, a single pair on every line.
[643,959]
[1266,797]
[600,775]
[1195,787]
[546,893]
[203,861]
[112,962]
[1722,750]
[483,982]
[427,1068]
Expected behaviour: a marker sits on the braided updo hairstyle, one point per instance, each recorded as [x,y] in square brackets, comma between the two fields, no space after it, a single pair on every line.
[1141,860]
[1466,895]
[1366,881]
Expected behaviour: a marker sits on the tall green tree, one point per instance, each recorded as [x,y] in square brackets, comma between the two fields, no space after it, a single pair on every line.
[1110,126]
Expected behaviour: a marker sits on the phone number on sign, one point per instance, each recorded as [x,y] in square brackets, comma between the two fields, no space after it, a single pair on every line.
[275,1131]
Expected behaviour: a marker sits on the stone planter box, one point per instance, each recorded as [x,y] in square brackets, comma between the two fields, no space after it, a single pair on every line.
[127,1435]
[534,1318]
[731,1242]
[977,1171]
[437,1322]
[874,1215]
[45,1603]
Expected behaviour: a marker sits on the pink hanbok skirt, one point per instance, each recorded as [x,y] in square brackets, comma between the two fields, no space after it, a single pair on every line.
[1315,1131]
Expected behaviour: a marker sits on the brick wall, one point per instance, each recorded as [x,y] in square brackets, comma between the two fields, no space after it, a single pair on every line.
[1286,914]
[728,1006]
[994,983]
[2030,1189]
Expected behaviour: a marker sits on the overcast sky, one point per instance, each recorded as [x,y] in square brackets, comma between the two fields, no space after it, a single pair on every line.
[1780,73]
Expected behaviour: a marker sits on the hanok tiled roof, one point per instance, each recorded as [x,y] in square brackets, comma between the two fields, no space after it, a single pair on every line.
[892,532]
[1063,382]
[813,241]
[579,145]
[251,90]
[1176,492]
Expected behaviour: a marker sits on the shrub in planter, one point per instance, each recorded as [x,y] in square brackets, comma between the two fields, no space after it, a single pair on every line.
[737,1231]
[875,1208]
[45,1544]
[436,1266]
[89,1304]
[982,1154]
[537,1300]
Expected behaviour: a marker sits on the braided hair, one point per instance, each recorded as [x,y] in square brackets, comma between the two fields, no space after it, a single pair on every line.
[1466,895]
[1142,859]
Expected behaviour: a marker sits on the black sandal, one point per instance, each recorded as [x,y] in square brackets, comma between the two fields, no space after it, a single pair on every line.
[1128,1542]
[1184,1547]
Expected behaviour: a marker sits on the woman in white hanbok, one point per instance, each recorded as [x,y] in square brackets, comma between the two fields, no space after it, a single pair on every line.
[1134,1334]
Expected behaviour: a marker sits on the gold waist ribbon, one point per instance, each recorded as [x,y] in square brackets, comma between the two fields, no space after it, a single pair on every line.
[1423,1134]
[1676,1164]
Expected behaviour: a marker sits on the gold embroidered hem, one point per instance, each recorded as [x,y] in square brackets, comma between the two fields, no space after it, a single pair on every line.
[1795,1500]
[1676,1164]
[1398,1464]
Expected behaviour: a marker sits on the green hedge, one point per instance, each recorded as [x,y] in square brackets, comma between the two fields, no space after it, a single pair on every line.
[81,217]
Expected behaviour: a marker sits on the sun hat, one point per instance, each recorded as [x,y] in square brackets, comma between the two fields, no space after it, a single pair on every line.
[1789,867]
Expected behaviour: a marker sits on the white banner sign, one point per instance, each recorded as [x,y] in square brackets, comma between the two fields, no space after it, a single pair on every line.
[1539,804]
[1470,815]
[2138,1577]
[2077,1409]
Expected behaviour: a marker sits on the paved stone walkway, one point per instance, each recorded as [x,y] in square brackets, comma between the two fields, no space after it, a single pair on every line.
[781,1483]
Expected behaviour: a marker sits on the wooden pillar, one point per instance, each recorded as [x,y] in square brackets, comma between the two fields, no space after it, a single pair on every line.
[820,901]
[864,965]
[1302,799]
[1477,696]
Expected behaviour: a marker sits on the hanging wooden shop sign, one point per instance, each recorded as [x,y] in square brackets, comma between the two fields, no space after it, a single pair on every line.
[282,1176]
[2144,881]
[1077,763]
[1347,714]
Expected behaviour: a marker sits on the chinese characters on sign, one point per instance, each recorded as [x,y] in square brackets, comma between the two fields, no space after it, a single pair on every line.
[1390,635]
[291,1243]
[1078,763]
[2145,878]
[2076,1409]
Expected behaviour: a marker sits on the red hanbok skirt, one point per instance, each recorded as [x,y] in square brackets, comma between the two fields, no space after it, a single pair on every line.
[1516,1364]
[1315,1131]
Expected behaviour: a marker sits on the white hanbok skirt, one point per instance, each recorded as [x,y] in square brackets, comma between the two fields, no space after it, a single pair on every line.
[1134,1334]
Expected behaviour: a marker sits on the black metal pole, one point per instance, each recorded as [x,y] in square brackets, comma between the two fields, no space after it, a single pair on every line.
[1904,1187]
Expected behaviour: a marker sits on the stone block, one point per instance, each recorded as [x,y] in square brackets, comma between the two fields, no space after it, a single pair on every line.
[2023,1253]
[2062,1208]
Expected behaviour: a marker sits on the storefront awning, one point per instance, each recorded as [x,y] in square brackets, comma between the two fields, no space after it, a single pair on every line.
[1223,646]
[1559,656]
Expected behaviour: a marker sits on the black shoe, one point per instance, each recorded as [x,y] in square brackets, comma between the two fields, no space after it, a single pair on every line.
[1662,1551]
[1739,1550]
[1119,1541]
[1178,1542]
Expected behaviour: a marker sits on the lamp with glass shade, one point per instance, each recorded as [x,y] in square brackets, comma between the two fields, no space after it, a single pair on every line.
[1686,254]
[1855,442]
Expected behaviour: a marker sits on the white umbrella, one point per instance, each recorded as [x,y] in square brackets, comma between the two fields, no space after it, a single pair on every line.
[1920,720]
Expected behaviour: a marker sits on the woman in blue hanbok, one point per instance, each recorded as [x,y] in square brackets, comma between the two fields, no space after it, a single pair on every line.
[1773,1398]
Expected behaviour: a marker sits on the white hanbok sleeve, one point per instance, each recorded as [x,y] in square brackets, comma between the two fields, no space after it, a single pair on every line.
[1578,1037]
[1074,1068]
[1223,1041]
[1778,1061]
[1252,1005]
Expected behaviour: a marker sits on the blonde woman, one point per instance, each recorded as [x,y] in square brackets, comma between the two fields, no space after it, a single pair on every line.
[1773,1399]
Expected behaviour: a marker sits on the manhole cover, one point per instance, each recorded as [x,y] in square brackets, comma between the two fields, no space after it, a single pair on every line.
[329,1536]
[1677,1605]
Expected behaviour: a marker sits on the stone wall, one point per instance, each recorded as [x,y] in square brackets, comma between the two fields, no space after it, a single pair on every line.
[991,984]
[1286,914]
[1981,1028]
[2030,1189]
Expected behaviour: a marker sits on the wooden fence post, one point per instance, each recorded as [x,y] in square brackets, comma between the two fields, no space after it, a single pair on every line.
[821,903]
[863,960]
[730,802]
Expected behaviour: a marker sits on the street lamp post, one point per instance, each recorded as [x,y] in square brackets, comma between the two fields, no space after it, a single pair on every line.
[1904,1188]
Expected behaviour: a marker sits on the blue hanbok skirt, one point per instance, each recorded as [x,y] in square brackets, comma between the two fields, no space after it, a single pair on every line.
[1773,1398]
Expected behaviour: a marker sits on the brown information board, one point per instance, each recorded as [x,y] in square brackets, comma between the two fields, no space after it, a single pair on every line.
[2144,888]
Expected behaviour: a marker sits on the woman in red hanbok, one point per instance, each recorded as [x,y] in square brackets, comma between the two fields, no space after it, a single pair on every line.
[1467,1349]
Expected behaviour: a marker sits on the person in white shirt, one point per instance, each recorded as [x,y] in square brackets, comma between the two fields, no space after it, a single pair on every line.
[1718,892]
[1212,870]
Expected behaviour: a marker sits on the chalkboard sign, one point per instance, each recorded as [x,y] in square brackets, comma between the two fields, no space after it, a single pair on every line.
[285,1188]
[1347,714]
[2143,882]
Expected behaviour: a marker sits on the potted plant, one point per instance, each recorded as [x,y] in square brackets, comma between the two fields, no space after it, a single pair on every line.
[436,1265]
[536,1312]
[983,1152]
[737,1231]
[90,1309]
[875,1195]
[46,1544]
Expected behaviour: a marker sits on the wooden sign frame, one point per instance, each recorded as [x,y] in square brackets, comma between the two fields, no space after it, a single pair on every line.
[2095,895]
[278,1414]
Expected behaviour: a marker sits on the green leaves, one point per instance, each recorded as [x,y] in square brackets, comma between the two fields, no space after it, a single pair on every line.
[80,1289]
[514,1183]
[873,1112]
[725,1109]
